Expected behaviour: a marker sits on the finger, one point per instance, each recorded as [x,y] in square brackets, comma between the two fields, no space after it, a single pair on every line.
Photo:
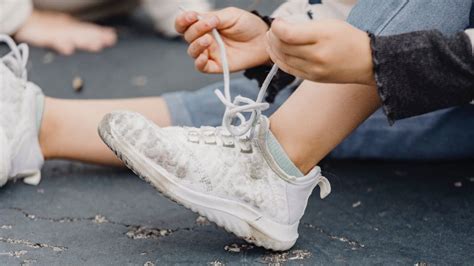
[288,63]
[198,29]
[184,20]
[300,51]
[205,65]
[199,46]
[294,33]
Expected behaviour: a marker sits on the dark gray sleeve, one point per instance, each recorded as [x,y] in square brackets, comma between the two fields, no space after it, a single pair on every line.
[421,72]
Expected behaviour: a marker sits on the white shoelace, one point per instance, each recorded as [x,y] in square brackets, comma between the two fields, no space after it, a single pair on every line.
[17,58]
[240,104]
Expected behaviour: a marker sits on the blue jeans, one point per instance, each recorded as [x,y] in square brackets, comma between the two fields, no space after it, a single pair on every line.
[445,134]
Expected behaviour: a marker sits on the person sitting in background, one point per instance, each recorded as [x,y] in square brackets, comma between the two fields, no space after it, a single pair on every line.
[67,26]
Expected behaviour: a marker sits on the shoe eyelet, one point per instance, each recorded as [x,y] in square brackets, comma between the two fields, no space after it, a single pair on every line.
[231,145]
[194,137]
[228,143]
[210,141]
[246,151]
[245,146]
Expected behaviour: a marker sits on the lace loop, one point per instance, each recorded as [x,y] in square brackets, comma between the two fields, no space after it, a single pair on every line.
[240,104]
[17,58]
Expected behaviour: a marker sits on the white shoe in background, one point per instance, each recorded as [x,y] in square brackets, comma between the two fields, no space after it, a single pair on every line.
[19,145]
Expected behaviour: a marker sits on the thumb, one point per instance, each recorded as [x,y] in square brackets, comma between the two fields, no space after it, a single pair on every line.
[294,33]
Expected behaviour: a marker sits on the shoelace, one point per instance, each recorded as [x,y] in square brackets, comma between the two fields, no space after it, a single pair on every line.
[240,104]
[236,109]
[17,58]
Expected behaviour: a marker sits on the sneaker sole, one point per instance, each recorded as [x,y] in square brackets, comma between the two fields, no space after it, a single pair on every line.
[244,222]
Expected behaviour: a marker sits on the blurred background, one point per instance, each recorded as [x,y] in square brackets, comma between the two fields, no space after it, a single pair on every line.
[143,63]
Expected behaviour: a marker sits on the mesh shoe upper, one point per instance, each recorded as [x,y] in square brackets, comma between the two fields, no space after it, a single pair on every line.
[18,106]
[214,162]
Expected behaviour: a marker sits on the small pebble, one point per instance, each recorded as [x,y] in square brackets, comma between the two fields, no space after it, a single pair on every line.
[356,204]
[458,184]
[77,84]
[471,179]
[139,81]
[235,248]
[149,263]
[164,232]
[99,219]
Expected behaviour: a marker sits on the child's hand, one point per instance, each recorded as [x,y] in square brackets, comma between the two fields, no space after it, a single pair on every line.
[242,32]
[64,33]
[328,51]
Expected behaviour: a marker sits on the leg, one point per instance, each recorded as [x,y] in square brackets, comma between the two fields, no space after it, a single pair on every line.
[69,127]
[441,135]
[320,116]
[399,16]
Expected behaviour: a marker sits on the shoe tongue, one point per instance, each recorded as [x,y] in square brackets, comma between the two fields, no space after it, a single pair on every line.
[9,64]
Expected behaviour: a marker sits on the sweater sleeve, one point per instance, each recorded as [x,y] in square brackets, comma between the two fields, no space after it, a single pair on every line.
[423,71]
[13,13]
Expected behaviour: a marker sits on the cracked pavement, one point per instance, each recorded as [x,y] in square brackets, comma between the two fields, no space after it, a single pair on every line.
[378,213]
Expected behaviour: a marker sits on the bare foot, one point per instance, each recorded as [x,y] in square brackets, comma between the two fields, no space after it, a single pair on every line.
[64,33]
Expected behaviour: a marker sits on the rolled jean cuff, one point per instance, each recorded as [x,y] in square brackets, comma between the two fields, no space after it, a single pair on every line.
[179,114]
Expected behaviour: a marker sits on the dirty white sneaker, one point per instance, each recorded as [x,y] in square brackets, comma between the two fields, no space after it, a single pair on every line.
[164,12]
[20,153]
[233,181]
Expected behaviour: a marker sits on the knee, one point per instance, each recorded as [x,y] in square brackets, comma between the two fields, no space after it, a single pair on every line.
[399,16]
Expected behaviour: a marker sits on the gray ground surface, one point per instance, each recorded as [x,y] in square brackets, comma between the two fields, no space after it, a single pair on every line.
[378,213]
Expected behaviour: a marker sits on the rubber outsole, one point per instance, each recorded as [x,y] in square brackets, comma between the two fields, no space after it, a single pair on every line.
[228,221]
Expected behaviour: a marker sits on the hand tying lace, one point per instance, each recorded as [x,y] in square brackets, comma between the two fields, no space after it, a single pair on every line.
[17,59]
[236,109]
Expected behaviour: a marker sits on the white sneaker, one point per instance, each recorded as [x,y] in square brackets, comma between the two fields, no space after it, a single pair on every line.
[164,12]
[233,181]
[20,152]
